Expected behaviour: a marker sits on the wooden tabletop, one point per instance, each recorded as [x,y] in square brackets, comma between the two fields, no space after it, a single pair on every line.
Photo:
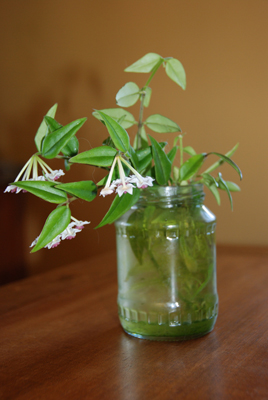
[60,338]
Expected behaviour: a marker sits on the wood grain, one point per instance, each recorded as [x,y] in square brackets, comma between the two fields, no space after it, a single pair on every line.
[61,339]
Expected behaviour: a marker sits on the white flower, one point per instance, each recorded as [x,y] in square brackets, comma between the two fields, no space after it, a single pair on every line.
[107,190]
[127,188]
[30,173]
[80,224]
[141,182]
[12,189]
[54,175]
[69,233]
[54,243]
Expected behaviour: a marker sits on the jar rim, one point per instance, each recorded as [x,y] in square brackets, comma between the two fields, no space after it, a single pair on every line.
[162,193]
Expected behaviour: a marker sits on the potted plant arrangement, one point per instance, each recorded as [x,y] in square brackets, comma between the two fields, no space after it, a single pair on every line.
[165,235]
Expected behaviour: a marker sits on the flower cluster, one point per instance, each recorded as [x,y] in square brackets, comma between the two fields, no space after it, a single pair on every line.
[69,233]
[125,184]
[32,167]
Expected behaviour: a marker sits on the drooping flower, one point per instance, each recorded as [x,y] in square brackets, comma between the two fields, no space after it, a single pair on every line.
[69,233]
[109,188]
[29,172]
[125,184]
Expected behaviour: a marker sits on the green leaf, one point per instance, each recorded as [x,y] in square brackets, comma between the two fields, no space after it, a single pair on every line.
[128,95]
[52,124]
[172,154]
[189,150]
[162,163]
[190,167]
[223,186]
[55,224]
[159,123]
[233,187]
[147,98]
[102,156]
[43,189]
[120,206]
[71,148]
[229,161]
[144,139]
[221,161]
[85,190]
[126,118]
[118,134]
[134,158]
[56,141]
[145,64]
[43,130]
[175,72]
[145,157]
[176,173]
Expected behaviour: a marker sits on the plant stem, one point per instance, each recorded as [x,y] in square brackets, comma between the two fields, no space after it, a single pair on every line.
[140,119]
[140,123]
[181,150]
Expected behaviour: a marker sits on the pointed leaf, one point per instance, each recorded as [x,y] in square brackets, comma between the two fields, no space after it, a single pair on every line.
[233,187]
[56,141]
[120,206]
[71,148]
[162,163]
[43,130]
[223,186]
[43,189]
[145,64]
[102,156]
[118,134]
[134,158]
[128,95]
[52,124]
[172,154]
[126,118]
[214,191]
[85,190]
[189,150]
[175,71]
[191,166]
[221,161]
[147,98]
[159,123]
[229,161]
[144,140]
[55,224]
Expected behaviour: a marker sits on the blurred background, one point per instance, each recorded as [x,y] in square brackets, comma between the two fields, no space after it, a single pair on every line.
[74,53]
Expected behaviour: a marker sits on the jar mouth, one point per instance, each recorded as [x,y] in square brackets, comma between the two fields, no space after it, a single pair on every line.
[168,194]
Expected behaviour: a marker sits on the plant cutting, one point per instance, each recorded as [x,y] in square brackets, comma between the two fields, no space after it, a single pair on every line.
[165,235]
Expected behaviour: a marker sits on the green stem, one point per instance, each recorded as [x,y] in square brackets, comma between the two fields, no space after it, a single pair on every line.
[181,150]
[160,62]
[140,123]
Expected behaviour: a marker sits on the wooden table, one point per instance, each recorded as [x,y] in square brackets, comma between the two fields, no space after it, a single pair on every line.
[60,338]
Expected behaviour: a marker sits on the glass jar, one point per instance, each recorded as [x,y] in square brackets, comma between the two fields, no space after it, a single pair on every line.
[166,257]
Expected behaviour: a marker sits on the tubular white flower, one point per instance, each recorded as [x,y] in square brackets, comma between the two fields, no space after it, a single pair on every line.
[109,188]
[142,183]
[54,175]
[31,167]
[80,224]
[69,233]
[128,188]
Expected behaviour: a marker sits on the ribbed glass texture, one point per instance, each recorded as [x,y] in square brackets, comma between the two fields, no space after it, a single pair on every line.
[167,265]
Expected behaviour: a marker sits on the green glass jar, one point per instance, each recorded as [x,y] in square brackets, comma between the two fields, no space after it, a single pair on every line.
[166,259]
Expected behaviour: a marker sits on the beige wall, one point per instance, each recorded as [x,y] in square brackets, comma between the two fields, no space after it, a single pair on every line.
[74,53]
